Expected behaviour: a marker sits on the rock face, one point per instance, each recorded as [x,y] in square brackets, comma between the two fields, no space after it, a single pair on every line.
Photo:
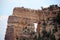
[21,23]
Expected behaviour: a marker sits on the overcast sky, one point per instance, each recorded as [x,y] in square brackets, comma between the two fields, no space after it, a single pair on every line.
[6,8]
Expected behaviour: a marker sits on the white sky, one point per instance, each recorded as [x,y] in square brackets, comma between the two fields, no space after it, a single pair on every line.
[6,8]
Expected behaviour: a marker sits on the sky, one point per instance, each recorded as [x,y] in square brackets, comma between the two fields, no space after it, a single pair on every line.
[7,6]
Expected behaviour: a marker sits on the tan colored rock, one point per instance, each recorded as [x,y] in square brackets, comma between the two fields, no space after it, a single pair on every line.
[24,18]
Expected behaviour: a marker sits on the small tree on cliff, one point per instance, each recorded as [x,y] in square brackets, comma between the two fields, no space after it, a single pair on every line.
[58,18]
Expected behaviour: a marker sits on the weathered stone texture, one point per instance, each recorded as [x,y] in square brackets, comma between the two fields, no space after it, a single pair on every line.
[21,22]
